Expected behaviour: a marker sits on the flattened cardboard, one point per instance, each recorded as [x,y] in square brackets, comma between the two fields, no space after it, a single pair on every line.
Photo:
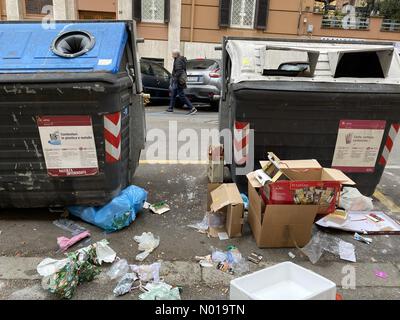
[225,195]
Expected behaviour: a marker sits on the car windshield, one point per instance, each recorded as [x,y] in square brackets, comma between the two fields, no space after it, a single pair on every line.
[201,64]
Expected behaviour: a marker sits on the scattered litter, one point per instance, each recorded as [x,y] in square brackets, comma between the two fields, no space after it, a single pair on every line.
[147,243]
[223,236]
[230,261]
[255,258]
[225,267]
[117,214]
[62,277]
[374,260]
[105,253]
[146,205]
[160,208]
[118,269]
[363,222]
[362,239]
[381,274]
[292,255]
[65,243]
[218,256]
[69,226]
[352,200]
[323,242]
[205,262]
[201,226]
[245,201]
[125,285]
[160,291]
[147,273]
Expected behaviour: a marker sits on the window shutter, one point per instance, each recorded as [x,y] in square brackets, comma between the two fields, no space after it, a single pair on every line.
[137,10]
[224,13]
[167,7]
[262,14]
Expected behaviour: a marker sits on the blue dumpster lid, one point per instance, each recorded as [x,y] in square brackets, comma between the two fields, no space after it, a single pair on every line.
[27,48]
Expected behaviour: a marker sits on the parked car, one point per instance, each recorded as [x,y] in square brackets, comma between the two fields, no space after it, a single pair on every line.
[156,81]
[204,82]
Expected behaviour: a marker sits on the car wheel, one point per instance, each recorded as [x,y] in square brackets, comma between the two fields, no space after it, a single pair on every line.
[215,105]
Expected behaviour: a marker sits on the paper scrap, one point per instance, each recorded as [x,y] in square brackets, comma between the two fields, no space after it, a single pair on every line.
[292,255]
[347,251]
[223,236]
[160,208]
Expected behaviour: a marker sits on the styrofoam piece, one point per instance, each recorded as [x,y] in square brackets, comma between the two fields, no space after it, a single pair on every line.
[284,281]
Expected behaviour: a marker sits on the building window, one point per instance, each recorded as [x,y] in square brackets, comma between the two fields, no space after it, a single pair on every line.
[36,7]
[153,11]
[243,13]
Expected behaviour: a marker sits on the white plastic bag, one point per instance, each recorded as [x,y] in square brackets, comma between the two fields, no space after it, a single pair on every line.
[352,200]
[118,269]
[147,243]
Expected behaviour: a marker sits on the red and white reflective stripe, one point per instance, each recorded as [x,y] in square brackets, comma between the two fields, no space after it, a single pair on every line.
[241,142]
[112,137]
[394,131]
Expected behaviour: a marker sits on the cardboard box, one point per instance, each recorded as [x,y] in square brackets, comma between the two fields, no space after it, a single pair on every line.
[308,183]
[226,199]
[215,169]
[279,226]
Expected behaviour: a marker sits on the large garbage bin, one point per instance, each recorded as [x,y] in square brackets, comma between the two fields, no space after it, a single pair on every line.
[337,102]
[72,120]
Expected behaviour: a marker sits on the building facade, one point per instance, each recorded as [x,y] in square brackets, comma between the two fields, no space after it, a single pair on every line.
[197,26]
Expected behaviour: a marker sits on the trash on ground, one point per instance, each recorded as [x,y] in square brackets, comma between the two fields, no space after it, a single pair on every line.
[284,281]
[65,243]
[381,274]
[245,201]
[201,226]
[69,226]
[160,291]
[147,243]
[292,255]
[322,242]
[362,239]
[125,285]
[363,222]
[255,258]
[230,261]
[160,208]
[352,200]
[147,273]
[223,236]
[117,214]
[62,277]
[118,269]
[146,205]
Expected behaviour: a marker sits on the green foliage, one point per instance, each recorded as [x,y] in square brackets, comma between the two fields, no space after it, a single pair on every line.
[390,9]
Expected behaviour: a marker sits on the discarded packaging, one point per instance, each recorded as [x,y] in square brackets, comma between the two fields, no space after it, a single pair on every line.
[255,258]
[118,269]
[160,208]
[362,239]
[223,236]
[381,274]
[64,276]
[65,243]
[69,226]
[201,226]
[363,222]
[292,255]
[285,281]
[322,242]
[147,273]
[147,243]
[160,291]
[352,200]
[125,285]
[117,214]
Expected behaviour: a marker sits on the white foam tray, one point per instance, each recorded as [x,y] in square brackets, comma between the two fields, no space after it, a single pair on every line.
[285,281]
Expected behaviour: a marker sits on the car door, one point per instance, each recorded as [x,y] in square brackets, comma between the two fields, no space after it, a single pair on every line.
[163,80]
[148,78]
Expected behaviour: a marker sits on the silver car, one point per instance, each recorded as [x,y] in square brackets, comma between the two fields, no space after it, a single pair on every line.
[204,81]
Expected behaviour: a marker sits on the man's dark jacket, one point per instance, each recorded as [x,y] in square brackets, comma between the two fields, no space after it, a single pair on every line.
[179,71]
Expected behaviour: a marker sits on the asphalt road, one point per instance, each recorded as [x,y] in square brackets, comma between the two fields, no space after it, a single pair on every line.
[28,236]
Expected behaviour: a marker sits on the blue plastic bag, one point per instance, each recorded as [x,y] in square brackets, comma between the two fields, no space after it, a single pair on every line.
[117,214]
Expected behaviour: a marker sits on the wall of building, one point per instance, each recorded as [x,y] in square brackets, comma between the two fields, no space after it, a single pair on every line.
[3,12]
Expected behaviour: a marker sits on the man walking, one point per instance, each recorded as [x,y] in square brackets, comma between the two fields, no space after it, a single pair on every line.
[178,83]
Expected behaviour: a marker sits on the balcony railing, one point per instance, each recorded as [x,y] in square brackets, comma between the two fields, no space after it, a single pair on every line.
[340,22]
[391,25]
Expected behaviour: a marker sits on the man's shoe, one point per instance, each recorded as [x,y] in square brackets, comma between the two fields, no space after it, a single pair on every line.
[192,112]
[169,110]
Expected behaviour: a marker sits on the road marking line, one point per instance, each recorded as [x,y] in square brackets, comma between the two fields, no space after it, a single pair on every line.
[174,162]
[387,202]
[392,167]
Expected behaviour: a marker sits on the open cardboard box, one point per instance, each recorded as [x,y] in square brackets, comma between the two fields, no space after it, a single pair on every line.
[226,199]
[287,225]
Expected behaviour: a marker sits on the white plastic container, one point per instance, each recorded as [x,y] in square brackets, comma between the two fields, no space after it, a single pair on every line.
[285,281]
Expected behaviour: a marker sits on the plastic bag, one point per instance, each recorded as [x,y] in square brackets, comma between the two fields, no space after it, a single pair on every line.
[160,291]
[124,285]
[147,243]
[118,269]
[234,255]
[352,200]
[201,226]
[241,267]
[148,273]
[117,214]
[69,226]
[218,255]
[245,201]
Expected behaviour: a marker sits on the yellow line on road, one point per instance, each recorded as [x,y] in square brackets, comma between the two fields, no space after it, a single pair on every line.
[174,162]
[387,202]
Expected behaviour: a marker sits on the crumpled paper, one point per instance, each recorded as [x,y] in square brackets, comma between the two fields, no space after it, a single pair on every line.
[147,243]
[62,277]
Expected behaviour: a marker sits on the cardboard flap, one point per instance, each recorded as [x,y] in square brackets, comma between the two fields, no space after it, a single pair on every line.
[253,180]
[300,164]
[225,195]
[304,174]
[337,175]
